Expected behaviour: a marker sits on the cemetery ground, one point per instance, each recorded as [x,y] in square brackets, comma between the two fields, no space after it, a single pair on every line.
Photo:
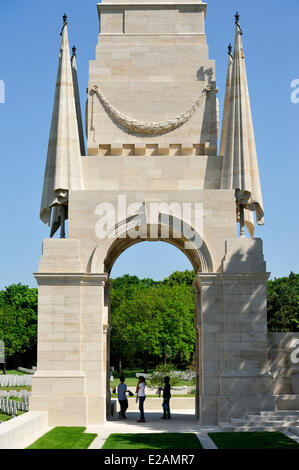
[160,441]
[62,437]
[13,372]
[253,440]
[69,438]
[180,433]
[4,417]
[14,394]
[131,379]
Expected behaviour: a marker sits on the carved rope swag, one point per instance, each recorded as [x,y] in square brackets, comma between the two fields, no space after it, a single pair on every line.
[149,128]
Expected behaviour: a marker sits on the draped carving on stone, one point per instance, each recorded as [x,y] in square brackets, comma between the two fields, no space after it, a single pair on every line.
[149,128]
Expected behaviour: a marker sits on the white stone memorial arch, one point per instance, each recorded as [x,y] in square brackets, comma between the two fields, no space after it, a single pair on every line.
[152,131]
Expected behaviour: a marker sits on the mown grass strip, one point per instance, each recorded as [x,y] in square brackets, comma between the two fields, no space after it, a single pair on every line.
[62,437]
[153,441]
[253,440]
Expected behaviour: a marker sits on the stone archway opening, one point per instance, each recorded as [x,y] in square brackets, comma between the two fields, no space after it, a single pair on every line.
[197,259]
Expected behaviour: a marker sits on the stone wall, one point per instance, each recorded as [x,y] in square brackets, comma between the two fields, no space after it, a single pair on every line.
[285,372]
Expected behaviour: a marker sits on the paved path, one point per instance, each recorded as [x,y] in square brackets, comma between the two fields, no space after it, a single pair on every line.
[182,421]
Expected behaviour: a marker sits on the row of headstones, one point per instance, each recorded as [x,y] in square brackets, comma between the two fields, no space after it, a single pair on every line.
[11,407]
[15,393]
[27,371]
[13,380]
[183,375]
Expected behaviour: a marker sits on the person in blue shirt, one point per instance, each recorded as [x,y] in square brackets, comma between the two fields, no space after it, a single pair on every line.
[122,398]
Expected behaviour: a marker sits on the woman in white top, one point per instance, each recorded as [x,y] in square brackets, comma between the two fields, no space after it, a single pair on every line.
[140,390]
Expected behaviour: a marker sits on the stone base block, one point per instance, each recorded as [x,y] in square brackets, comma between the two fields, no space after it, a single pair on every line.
[96,410]
[208,409]
[241,406]
[287,402]
[62,410]
[62,393]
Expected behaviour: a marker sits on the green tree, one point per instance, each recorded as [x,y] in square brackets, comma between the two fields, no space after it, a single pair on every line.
[283,304]
[154,321]
[18,323]
[179,278]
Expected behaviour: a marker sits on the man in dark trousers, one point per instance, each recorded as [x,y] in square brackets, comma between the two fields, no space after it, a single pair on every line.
[123,401]
[166,398]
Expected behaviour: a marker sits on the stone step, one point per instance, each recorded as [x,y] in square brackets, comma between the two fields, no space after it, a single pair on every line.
[295,430]
[280,413]
[291,418]
[227,427]
[264,424]
[288,402]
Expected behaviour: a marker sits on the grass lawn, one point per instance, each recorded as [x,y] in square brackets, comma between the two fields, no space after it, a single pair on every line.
[14,372]
[4,417]
[152,441]
[64,438]
[17,388]
[252,440]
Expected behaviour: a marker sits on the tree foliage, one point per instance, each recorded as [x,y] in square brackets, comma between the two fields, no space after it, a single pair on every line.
[153,319]
[18,322]
[283,304]
[178,278]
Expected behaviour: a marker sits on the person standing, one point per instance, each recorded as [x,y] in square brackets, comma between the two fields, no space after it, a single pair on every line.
[140,390]
[166,398]
[122,399]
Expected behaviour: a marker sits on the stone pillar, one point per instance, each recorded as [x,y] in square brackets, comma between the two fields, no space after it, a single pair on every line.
[210,327]
[107,332]
[234,374]
[246,382]
[70,382]
[93,346]
[59,385]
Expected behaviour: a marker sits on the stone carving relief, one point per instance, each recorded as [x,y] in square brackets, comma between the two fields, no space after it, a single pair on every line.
[149,128]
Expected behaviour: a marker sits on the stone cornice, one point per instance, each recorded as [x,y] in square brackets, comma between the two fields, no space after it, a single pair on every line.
[73,279]
[204,279]
[152,3]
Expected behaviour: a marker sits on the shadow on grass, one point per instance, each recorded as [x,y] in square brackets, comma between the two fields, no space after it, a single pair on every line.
[63,437]
[253,440]
[152,441]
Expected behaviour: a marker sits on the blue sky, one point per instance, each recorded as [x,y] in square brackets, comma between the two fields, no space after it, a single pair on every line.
[29,47]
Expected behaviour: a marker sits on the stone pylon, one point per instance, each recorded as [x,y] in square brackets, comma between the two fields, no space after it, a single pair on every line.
[240,170]
[77,101]
[63,167]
